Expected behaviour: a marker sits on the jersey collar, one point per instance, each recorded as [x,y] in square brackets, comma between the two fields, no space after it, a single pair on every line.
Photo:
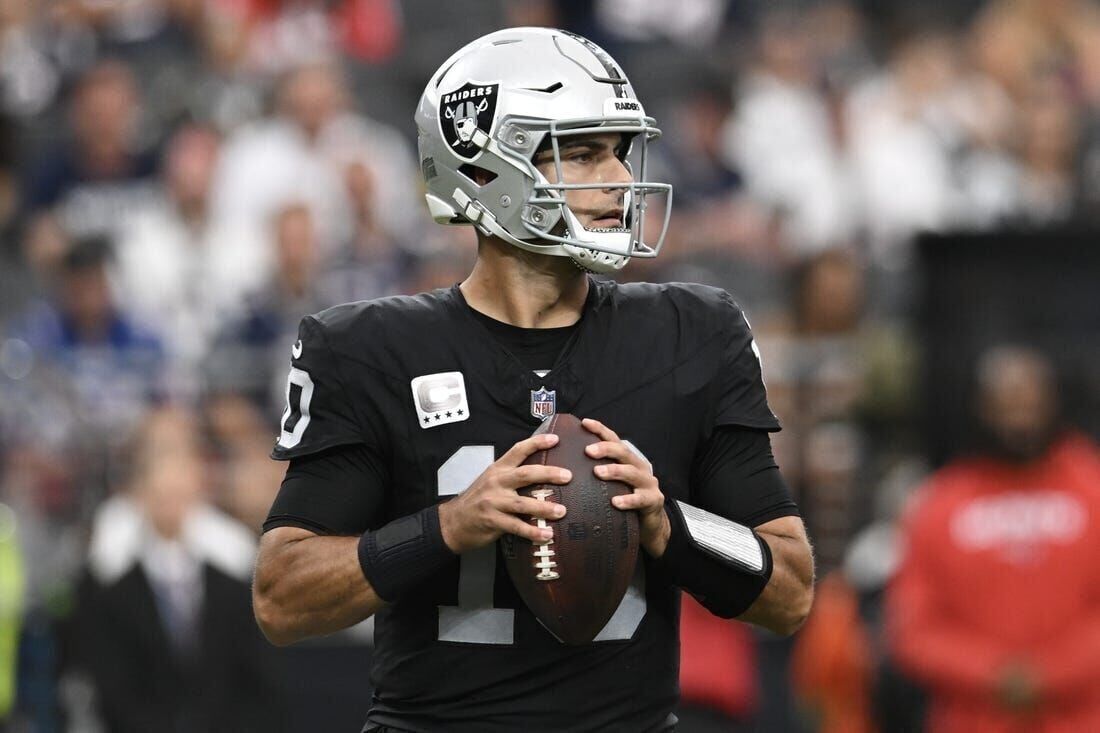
[508,381]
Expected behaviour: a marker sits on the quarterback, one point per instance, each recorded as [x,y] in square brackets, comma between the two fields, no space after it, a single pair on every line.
[408,420]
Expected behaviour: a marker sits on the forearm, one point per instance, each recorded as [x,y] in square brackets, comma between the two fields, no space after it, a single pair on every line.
[308,585]
[785,602]
[710,557]
[737,481]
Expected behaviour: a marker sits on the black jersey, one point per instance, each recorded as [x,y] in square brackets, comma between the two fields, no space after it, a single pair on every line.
[422,383]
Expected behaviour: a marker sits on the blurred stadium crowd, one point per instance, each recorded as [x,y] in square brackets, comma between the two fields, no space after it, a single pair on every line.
[182,180]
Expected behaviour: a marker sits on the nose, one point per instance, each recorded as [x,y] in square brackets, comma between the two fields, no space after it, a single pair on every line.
[615,171]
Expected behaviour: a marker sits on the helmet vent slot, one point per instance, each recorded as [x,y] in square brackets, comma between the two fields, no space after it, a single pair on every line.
[546,90]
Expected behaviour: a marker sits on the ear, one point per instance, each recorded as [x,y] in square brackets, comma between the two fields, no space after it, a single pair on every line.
[480,176]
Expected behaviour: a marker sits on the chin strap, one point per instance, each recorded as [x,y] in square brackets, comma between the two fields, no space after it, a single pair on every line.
[594,260]
[478,215]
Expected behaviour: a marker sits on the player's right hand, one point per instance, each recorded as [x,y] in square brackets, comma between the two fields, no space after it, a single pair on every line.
[491,507]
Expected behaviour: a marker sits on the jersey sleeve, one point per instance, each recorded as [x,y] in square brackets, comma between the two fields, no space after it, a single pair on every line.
[338,492]
[736,477]
[740,396]
[319,411]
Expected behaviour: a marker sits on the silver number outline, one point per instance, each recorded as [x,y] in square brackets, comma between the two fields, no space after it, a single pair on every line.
[300,378]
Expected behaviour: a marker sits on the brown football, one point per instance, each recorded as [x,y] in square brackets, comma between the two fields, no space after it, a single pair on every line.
[574,583]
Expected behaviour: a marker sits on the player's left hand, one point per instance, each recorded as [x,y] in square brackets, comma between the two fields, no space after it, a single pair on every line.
[634,470]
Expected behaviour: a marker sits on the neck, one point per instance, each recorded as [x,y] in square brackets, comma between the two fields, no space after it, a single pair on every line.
[192,210]
[105,159]
[523,288]
[295,283]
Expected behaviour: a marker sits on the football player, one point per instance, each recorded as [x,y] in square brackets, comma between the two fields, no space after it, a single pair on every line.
[408,420]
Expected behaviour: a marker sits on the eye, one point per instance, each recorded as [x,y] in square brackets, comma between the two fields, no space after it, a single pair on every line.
[582,156]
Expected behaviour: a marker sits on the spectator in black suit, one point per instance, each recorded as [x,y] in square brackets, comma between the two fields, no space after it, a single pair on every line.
[164,620]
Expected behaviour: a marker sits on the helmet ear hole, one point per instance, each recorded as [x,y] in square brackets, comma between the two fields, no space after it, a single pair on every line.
[478,175]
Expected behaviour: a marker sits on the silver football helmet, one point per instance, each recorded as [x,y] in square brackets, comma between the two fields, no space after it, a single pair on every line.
[508,95]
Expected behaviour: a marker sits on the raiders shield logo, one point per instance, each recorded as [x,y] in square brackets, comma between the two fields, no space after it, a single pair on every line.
[466,117]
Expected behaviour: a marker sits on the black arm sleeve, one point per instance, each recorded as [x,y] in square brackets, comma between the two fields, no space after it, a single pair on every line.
[336,492]
[737,477]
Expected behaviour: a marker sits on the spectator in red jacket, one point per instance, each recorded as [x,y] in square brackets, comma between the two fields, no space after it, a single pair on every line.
[996,607]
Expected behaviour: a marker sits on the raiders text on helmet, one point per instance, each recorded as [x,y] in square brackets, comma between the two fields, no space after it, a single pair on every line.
[510,94]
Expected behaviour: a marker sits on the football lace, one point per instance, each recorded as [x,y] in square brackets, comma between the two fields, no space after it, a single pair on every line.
[542,551]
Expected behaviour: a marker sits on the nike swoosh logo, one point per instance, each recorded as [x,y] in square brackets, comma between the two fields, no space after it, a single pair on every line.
[296,350]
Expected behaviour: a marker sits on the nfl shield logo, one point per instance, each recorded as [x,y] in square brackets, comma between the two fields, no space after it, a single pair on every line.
[543,402]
